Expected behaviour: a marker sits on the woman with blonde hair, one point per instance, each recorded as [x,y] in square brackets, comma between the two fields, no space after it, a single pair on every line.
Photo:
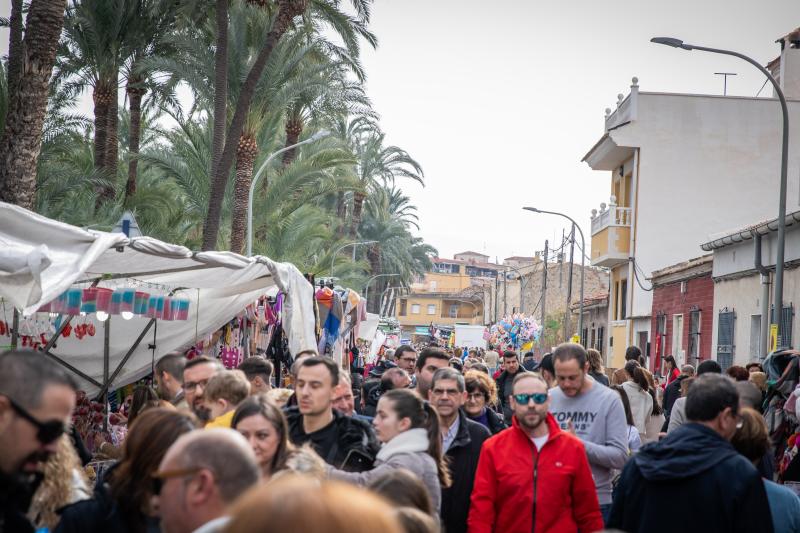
[297,503]
[64,483]
[596,369]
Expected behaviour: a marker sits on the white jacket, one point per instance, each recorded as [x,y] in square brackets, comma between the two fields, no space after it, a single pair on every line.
[641,406]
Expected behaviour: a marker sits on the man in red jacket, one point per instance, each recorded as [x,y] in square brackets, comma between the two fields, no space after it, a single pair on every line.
[533,476]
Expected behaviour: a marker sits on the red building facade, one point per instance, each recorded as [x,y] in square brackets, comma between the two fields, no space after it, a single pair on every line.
[683,313]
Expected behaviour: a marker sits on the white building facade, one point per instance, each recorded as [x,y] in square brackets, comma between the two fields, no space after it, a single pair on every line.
[685,168]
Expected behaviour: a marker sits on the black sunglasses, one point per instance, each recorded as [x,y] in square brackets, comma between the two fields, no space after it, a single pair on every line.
[47,432]
[538,398]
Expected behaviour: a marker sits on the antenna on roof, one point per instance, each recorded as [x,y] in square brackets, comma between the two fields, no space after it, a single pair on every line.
[725,82]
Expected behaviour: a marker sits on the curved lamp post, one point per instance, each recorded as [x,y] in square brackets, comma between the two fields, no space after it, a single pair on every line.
[583,260]
[778,297]
[522,284]
[342,247]
[317,136]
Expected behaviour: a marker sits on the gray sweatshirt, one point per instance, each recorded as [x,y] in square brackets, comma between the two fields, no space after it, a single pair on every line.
[599,421]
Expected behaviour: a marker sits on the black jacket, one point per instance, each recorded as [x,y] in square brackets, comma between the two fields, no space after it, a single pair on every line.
[501,381]
[496,424]
[15,497]
[100,514]
[699,473]
[356,444]
[463,459]
[671,393]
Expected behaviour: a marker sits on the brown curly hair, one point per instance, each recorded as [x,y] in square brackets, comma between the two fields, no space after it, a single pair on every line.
[475,380]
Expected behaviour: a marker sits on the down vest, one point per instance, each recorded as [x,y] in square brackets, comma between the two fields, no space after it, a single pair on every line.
[521,490]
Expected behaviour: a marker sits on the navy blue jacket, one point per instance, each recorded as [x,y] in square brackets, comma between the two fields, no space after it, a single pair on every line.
[701,477]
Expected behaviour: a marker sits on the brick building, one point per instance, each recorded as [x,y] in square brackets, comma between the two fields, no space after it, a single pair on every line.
[683,313]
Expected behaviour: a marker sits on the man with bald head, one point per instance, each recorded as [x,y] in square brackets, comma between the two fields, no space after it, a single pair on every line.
[200,476]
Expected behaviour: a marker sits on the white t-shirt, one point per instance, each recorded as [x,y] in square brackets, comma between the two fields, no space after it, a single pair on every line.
[539,441]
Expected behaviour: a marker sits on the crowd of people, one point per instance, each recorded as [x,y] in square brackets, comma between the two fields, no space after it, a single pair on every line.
[424,440]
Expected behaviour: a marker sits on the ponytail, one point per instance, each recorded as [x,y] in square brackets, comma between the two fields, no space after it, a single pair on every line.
[637,375]
[407,404]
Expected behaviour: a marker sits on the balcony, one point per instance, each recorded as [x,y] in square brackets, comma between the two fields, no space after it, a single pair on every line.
[611,234]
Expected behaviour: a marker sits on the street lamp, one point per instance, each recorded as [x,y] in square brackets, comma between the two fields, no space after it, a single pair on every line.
[316,137]
[342,247]
[583,259]
[677,43]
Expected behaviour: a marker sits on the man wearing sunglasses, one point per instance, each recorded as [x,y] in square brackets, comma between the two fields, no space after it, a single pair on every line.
[36,402]
[533,476]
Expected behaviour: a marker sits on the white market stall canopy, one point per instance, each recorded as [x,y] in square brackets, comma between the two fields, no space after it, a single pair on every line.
[41,258]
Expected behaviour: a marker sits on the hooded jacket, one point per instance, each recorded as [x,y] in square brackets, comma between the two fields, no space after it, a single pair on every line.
[463,461]
[408,450]
[519,489]
[356,444]
[700,474]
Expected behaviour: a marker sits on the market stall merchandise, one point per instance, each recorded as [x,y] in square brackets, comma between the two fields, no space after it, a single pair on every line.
[41,259]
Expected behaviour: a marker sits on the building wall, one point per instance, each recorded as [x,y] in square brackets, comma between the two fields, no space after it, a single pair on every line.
[670,300]
[696,151]
[467,314]
[743,296]
[619,334]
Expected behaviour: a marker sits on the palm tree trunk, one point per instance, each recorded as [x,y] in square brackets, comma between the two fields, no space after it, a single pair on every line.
[245,159]
[287,10]
[112,138]
[22,135]
[220,86]
[358,206]
[374,259]
[14,46]
[101,99]
[135,95]
[341,213]
[294,127]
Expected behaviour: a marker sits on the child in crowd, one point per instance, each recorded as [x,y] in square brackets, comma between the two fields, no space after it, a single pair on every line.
[224,392]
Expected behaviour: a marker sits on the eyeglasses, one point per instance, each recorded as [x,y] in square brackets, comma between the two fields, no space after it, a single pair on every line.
[191,385]
[47,432]
[443,392]
[538,398]
[158,478]
[475,396]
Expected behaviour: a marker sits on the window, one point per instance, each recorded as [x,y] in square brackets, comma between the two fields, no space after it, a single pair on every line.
[403,307]
[787,316]
[431,309]
[725,345]
[453,310]
[601,333]
[694,336]
[414,309]
[622,300]
[755,338]
[585,337]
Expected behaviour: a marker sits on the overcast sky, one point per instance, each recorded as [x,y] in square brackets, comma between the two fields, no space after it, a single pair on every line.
[500,100]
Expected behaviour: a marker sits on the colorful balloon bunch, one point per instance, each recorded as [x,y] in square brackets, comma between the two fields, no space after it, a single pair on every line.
[513,331]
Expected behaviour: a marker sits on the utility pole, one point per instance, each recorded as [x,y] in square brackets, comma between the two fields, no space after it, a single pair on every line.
[569,284]
[505,293]
[496,295]
[544,289]
[561,262]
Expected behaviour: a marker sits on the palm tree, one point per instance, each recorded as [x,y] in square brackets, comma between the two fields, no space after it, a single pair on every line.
[380,165]
[27,106]
[350,28]
[91,55]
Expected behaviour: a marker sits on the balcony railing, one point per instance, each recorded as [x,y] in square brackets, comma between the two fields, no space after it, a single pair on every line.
[610,216]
